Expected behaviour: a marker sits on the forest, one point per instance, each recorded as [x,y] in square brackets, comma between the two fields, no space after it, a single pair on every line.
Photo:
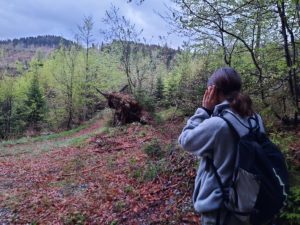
[68,156]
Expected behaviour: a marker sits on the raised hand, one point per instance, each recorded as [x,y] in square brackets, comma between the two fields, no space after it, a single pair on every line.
[210,98]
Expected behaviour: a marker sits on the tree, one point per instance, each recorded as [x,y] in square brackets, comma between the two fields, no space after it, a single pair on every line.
[225,23]
[6,104]
[67,79]
[125,33]
[85,34]
[290,52]
[247,26]
[159,89]
[35,102]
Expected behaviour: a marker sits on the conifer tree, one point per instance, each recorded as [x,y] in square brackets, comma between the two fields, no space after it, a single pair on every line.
[35,103]
[159,89]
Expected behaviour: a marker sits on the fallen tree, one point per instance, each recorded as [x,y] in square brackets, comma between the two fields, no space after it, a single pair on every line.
[127,109]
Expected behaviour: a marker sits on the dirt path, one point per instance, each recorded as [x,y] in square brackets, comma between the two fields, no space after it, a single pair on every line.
[38,147]
[108,180]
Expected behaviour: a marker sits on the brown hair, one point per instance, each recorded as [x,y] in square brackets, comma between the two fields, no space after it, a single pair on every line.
[229,83]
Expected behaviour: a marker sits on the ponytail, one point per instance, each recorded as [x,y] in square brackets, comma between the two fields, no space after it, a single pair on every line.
[241,104]
[229,83]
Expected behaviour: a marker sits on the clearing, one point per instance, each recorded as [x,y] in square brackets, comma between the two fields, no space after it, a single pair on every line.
[98,175]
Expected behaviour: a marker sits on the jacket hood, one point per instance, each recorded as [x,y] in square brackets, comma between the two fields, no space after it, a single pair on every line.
[220,108]
[241,124]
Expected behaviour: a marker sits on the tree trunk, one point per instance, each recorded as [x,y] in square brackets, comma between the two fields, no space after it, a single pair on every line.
[290,61]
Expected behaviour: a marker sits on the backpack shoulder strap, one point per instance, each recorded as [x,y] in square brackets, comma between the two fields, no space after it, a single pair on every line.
[211,162]
[251,128]
[214,169]
[236,150]
[234,131]
[222,187]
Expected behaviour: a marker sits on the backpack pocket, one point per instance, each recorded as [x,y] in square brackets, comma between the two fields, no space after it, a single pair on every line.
[243,194]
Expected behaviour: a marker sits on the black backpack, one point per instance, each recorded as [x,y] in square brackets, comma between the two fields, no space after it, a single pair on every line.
[259,184]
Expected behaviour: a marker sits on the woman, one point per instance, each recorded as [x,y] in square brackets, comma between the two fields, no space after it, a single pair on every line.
[209,136]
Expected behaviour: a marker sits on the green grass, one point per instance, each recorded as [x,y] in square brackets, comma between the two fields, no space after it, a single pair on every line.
[42,138]
[25,140]
[46,145]
[41,144]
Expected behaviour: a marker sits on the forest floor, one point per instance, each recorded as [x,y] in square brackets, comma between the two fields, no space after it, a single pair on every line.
[133,174]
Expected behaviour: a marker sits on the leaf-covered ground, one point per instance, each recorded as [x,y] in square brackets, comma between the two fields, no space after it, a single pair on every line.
[106,179]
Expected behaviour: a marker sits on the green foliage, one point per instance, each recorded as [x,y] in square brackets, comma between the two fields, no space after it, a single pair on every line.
[149,172]
[167,114]
[137,173]
[79,141]
[128,189]
[153,150]
[12,110]
[159,89]
[58,90]
[28,140]
[263,52]
[283,140]
[35,103]
[291,214]
[152,171]
[187,82]
[75,219]
[6,100]
[145,100]
[119,206]
[171,88]
[114,222]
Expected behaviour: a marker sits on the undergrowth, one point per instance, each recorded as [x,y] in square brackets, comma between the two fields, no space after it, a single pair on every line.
[153,150]
[291,213]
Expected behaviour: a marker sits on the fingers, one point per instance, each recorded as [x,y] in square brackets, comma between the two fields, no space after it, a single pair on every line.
[209,98]
[212,92]
[205,97]
[207,94]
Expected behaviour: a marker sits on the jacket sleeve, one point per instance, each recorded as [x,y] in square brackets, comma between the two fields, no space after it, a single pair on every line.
[199,135]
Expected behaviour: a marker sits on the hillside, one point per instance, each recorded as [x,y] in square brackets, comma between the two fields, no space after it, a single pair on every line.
[16,54]
[164,53]
[65,79]
[98,174]
[126,175]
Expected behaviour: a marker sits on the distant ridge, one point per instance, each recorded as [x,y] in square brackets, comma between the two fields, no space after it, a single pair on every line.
[50,41]
[22,50]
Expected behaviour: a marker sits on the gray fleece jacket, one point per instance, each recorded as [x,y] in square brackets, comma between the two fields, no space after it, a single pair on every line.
[210,136]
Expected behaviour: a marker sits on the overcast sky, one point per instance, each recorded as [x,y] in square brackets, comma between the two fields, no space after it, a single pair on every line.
[22,18]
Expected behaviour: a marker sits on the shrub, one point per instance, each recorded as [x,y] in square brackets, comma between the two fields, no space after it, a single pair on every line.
[292,212]
[119,206]
[75,219]
[152,170]
[153,150]
[145,100]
